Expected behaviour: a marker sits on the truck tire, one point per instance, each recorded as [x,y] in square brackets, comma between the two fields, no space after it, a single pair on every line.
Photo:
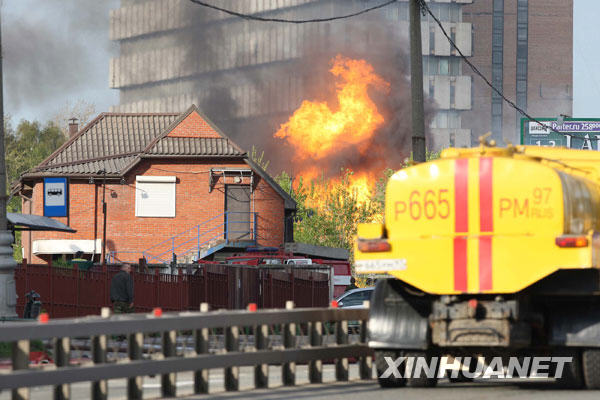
[591,368]
[422,380]
[381,366]
[572,376]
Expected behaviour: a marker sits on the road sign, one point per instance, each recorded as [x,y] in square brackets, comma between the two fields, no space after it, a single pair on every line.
[55,197]
[575,133]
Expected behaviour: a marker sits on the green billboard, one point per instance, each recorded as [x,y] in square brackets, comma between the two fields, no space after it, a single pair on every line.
[574,133]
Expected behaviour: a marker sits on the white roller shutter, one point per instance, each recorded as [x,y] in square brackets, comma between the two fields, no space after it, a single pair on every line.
[155,196]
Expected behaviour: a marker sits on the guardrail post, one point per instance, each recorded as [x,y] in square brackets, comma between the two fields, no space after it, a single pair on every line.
[366,362]
[341,337]
[201,339]
[168,380]
[20,360]
[99,344]
[62,354]
[232,343]
[261,371]
[315,367]
[288,370]
[134,350]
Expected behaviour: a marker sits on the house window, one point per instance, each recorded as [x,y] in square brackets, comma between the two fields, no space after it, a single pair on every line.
[155,196]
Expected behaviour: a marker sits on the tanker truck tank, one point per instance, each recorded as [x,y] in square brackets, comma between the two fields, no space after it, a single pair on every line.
[489,248]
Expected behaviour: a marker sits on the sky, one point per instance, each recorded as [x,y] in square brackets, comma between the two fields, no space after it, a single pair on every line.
[56,52]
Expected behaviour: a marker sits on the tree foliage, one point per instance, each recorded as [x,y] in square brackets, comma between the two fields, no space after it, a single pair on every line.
[26,147]
[328,211]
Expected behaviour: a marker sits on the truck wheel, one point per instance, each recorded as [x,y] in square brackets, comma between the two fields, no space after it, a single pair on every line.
[421,380]
[381,366]
[572,376]
[591,368]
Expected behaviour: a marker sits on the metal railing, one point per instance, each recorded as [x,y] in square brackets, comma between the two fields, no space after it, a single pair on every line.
[275,337]
[195,238]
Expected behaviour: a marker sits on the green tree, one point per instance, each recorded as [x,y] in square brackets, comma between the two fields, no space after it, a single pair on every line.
[328,211]
[26,147]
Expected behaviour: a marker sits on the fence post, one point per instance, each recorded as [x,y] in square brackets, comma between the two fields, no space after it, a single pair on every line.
[169,350]
[366,362]
[261,371]
[50,301]
[20,360]
[288,370]
[201,339]
[62,354]
[232,343]
[157,286]
[293,280]
[315,367]
[134,384]
[99,344]
[76,272]
[341,337]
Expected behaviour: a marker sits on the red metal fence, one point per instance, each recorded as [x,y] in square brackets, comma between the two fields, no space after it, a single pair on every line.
[67,292]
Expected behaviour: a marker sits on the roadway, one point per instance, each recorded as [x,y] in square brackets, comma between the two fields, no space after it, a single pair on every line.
[355,389]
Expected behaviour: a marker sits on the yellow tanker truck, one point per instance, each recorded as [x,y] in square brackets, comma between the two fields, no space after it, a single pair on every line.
[488,251]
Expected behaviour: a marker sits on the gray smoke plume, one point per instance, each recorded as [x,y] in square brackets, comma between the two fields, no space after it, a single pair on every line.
[371,37]
[48,62]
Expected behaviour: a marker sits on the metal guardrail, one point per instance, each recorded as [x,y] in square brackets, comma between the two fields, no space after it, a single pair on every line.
[291,325]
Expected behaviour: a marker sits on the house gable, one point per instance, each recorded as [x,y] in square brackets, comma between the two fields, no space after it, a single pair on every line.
[193,126]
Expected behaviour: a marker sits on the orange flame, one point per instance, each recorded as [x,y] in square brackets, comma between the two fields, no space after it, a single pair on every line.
[317,132]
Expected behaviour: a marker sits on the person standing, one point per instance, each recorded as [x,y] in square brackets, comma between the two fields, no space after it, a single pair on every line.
[352,285]
[121,290]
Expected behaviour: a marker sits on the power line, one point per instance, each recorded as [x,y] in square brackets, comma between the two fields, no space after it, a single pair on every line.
[289,21]
[426,8]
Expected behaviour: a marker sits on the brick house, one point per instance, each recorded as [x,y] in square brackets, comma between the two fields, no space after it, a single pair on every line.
[172,183]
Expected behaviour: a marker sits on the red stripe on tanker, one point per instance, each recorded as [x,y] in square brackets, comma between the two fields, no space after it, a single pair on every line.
[486,222]
[461,222]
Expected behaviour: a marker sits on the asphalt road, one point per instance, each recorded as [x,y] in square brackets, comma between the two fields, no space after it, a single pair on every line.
[355,389]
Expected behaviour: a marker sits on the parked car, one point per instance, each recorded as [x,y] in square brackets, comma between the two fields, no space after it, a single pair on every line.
[355,298]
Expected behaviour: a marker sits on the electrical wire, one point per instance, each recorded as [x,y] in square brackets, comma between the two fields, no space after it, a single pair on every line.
[426,8]
[289,21]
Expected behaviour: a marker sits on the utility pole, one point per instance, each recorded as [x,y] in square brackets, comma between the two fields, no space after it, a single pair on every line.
[8,294]
[416,82]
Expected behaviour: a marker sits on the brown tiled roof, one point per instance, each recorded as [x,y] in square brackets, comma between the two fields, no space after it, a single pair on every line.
[114,142]
[193,146]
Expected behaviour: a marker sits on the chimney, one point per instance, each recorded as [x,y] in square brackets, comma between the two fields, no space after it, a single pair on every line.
[73,126]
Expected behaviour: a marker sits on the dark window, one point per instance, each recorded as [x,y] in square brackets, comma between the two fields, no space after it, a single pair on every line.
[522,55]
[497,67]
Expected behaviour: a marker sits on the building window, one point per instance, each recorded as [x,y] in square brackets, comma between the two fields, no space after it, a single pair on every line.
[497,67]
[155,196]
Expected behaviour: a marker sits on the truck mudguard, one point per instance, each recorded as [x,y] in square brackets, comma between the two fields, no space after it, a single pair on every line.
[398,320]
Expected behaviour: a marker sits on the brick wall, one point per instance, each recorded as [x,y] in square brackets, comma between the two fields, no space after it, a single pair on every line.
[550,62]
[193,126]
[194,205]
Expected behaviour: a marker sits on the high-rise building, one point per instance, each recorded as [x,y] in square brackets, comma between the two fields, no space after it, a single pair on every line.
[250,76]
[174,53]
[525,48]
